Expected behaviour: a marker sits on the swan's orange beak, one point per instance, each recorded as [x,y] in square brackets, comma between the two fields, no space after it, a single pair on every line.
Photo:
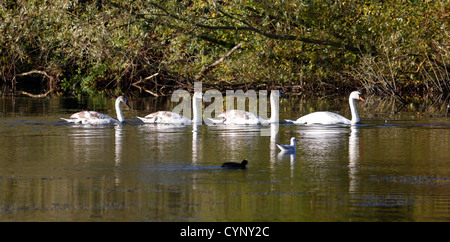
[362,99]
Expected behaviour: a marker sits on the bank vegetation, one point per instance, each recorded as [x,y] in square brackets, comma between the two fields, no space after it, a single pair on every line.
[392,48]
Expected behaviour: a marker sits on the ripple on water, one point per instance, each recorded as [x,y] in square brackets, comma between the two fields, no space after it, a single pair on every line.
[413,179]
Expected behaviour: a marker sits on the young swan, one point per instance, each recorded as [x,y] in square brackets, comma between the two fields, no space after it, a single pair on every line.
[166,117]
[93,117]
[242,117]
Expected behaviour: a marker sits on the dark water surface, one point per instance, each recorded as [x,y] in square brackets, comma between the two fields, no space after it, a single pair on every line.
[393,170]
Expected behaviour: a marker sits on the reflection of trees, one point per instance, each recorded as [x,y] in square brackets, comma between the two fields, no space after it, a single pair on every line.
[166,141]
[91,143]
[235,142]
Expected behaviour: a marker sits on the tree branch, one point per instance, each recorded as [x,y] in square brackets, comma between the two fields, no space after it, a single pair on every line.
[35,95]
[248,27]
[33,72]
[135,84]
[206,69]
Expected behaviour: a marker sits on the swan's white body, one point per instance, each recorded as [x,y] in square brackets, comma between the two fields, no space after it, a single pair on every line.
[166,117]
[243,117]
[332,118]
[93,117]
[288,148]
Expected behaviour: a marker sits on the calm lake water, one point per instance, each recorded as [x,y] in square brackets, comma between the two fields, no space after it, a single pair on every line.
[393,167]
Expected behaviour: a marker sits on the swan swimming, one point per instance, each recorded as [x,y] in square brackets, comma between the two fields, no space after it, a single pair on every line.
[288,148]
[244,117]
[167,117]
[93,117]
[332,118]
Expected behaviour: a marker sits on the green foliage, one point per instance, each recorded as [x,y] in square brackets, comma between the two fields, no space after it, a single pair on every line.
[94,46]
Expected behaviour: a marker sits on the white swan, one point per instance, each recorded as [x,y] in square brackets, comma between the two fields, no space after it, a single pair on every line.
[92,117]
[332,118]
[288,148]
[166,117]
[244,117]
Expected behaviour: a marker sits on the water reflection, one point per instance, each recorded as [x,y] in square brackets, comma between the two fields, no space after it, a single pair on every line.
[353,157]
[90,142]
[292,157]
[119,145]
[323,141]
[134,172]
[196,144]
[322,144]
[237,142]
[166,141]
[274,128]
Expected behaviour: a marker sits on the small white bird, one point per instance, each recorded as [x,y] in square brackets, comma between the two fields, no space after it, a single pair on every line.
[93,117]
[288,148]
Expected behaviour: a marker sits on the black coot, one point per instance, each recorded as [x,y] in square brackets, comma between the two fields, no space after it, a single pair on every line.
[235,165]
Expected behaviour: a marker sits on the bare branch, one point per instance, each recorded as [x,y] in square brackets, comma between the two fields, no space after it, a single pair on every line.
[206,69]
[135,84]
[33,72]
[34,95]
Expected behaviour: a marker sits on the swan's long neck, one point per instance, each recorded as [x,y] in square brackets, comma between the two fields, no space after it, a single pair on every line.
[119,112]
[355,117]
[197,113]
[274,106]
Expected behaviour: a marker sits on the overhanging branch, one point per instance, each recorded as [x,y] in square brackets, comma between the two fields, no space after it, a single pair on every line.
[205,69]
[248,27]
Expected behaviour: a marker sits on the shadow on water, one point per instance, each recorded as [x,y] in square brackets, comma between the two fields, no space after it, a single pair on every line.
[386,169]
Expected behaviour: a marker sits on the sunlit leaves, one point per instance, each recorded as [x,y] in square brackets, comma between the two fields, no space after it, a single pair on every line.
[90,48]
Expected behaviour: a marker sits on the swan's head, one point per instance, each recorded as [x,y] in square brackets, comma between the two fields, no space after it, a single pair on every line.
[357,95]
[244,162]
[123,99]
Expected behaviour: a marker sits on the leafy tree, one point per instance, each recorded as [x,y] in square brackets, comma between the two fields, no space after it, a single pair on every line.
[151,47]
